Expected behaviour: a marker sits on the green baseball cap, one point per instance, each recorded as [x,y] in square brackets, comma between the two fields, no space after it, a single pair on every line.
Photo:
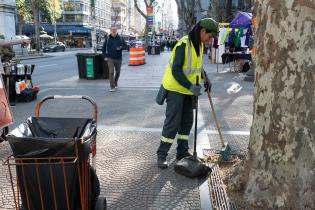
[211,25]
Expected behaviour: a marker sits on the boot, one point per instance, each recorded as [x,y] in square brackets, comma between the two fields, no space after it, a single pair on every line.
[162,154]
[182,149]
[162,163]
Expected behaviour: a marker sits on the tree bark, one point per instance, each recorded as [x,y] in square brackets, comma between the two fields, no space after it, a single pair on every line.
[279,171]
[21,23]
[35,10]
[228,15]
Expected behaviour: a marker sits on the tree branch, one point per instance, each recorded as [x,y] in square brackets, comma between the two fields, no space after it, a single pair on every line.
[139,10]
[151,2]
[146,3]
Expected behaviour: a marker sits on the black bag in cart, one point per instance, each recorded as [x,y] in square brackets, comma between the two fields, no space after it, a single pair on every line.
[27,95]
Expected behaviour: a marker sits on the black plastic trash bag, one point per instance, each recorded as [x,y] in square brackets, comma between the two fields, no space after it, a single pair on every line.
[45,182]
[192,167]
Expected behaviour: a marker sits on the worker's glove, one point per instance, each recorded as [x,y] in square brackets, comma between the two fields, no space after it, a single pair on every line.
[195,89]
[207,84]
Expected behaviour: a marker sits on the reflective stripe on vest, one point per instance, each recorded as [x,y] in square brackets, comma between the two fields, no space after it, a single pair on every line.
[188,70]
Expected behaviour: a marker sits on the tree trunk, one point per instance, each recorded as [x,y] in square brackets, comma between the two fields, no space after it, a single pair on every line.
[228,16]
[146,30]
[279,171]
[21,23]
[36,22]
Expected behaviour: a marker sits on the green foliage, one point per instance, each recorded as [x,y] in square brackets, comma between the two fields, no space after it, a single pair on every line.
[24,10]
[53,9]
[50,8]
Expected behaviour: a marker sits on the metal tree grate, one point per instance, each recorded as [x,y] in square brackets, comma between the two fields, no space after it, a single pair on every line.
[219,198]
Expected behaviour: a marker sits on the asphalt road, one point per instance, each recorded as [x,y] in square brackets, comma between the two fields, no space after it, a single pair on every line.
[58,66]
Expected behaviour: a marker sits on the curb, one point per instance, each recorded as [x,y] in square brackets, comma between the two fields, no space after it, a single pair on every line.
[32,57]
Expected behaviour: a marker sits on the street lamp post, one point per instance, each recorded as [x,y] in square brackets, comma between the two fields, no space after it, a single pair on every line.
[55,21]
[93,28]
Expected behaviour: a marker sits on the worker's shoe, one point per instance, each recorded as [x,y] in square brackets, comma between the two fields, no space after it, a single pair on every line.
[181,156]
[182,149]
[162,163]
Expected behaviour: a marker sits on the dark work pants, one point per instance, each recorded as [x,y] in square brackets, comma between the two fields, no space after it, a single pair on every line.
[179,120]
[114,67]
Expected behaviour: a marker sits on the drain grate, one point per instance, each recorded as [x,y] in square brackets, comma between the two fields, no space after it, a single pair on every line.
[219,198]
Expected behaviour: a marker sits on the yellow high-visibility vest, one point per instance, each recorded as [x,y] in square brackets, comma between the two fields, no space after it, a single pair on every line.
[192,67]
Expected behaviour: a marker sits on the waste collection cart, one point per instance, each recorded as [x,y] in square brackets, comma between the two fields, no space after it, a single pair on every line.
[54,161]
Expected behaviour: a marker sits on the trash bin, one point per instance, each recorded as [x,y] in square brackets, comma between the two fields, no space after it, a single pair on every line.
[154,49]
[103,68]
[81,69]
[88,65]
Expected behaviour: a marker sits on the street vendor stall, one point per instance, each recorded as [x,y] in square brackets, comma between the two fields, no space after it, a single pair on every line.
[234,40]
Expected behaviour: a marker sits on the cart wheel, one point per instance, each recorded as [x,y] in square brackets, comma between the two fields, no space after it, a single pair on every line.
[101,204]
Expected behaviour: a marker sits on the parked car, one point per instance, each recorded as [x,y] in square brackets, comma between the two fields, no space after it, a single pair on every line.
[136,43]
[127,46]
[55,47]
[99,46]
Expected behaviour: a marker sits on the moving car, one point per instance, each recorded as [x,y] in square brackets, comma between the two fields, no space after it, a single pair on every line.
[55,47]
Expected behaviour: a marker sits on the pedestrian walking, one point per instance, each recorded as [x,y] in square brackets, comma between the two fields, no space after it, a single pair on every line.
[179,88]
[112,52]
[168,45]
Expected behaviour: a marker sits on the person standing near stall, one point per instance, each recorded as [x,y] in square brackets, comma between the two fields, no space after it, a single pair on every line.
[179,88]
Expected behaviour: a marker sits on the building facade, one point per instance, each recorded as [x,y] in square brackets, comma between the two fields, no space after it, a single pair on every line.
[7,18]
[120,15]
[74,26]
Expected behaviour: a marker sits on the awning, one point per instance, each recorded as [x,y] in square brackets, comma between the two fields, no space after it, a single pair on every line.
[242,20]
[50,29]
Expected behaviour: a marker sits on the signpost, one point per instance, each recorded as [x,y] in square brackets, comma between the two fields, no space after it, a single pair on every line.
[150,17]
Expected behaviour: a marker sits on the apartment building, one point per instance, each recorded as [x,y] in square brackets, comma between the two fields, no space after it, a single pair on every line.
[119,15]
[74,26]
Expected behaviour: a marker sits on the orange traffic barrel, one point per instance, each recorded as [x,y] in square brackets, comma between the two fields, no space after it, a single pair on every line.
[136,56]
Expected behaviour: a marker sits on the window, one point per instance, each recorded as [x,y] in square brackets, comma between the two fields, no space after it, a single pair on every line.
[69,7]
[78,7]
[69,18]
[79,18]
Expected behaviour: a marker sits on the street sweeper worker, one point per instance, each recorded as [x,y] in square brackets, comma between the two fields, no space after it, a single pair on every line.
[179,88]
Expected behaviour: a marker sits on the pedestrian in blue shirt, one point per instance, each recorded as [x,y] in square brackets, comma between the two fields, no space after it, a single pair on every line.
[112,52]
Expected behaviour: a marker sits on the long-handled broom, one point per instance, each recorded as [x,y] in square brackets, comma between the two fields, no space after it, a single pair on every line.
[226,149]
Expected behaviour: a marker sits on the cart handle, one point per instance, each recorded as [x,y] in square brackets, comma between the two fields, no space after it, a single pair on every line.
[94,105]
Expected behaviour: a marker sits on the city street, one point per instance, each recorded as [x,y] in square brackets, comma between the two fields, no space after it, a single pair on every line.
[250,64]
[129,128]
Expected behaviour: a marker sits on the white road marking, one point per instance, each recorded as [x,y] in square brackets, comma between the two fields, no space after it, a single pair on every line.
[159,130]
[47,65]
